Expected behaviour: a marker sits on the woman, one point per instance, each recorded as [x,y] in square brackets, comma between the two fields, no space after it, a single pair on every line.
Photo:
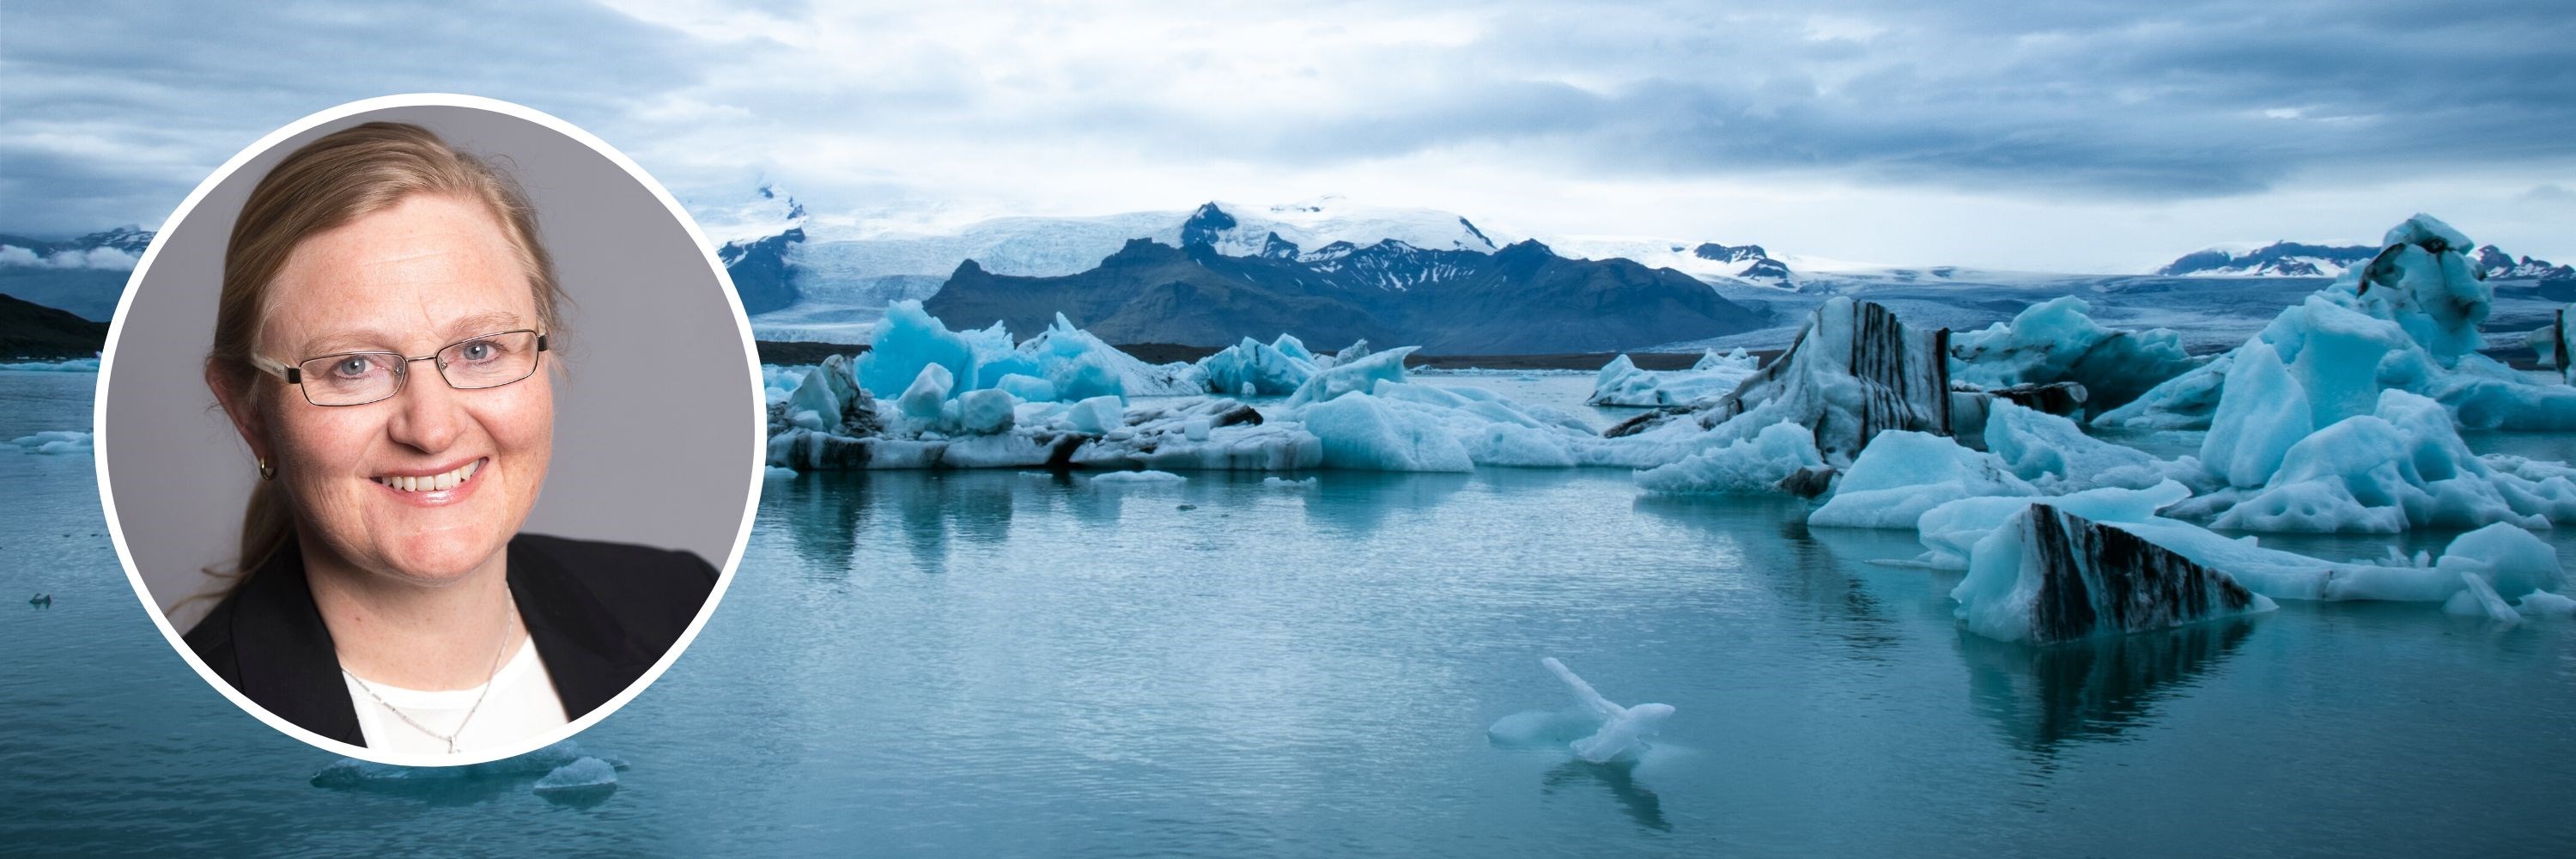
[384,345]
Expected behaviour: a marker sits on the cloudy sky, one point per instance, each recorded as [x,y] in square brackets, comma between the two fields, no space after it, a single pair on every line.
[2066,136]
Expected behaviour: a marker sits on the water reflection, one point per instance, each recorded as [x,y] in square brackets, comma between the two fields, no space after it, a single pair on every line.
[1620,778]
[2044,697]
[1801,569]
[822,514]
[1359,503]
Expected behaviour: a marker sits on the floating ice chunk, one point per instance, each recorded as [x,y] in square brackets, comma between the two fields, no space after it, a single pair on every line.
[1137,478]
[1952,529]
[2407,320]
[2055,455]
[2263,413]
[1256,369]
[1359,375]
[1096,415]
[1620,383]
[1026,387]
[2545,604]
[580,774]
[2049,576]
[907,340]
[1623,730]
[53,441]
[2478,599]
[1902,474]
[1285,483]
[2402,467]
[1757,464]
[773,472]
[1075,363]
[924,399]
[1365,432]
[2512,561]
[353,774]
[2054,341]
[987,412]
[72,365]
[1853,372]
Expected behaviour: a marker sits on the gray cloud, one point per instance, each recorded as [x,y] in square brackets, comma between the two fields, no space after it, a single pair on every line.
[112,112]
[110,115]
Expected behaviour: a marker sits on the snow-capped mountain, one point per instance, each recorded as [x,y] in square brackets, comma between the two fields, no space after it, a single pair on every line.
[833,278]
[1748,264]
[1314,227]
[83,275]
[1520,299]
[2497,265]
[2278,259]
[2294,259]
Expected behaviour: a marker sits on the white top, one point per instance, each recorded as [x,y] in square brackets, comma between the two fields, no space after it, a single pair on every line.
[522,705]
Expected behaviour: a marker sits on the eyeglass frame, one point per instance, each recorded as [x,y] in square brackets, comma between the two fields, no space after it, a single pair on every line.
[293,373]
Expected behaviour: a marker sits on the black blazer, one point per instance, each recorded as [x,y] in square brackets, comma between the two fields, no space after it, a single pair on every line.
[600,614]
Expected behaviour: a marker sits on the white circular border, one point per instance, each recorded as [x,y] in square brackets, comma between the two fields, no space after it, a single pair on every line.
[753,404]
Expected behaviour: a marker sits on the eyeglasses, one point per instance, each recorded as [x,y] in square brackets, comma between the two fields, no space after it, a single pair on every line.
[359,378]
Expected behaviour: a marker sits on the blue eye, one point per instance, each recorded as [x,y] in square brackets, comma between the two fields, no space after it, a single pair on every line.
[352,367]
[480,350]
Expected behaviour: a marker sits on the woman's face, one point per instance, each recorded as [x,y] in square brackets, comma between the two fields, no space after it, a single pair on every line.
[431,271]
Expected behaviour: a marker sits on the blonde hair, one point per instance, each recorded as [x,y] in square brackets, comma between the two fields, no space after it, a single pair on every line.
[342,177]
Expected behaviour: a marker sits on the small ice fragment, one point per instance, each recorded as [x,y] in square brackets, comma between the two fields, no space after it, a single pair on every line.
[584,779]
[2480,599]
[1622,728]
[1137,478]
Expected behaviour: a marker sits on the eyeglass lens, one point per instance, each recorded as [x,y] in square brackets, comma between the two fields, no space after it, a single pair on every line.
[358,378]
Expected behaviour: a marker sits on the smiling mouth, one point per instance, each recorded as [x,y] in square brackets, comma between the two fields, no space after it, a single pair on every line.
[431,482]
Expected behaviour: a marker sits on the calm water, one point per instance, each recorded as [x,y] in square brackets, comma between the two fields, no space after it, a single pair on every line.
[1000,664]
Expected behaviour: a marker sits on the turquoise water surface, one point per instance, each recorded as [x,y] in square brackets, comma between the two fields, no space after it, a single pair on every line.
[998,663]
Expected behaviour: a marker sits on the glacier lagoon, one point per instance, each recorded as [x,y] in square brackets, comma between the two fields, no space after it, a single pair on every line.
[945,663]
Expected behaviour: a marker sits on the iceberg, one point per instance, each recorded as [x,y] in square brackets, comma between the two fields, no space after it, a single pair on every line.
[1620,383]
[2054,342]
[2050,576]
[1904,474]
[932,426]
[1853,372]
[1253,368]
[2552,344]
[1073,363]
[1782,457]
[2400,466]
[2407,320]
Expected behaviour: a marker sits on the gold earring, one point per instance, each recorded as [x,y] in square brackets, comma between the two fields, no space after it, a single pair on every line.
[267,471]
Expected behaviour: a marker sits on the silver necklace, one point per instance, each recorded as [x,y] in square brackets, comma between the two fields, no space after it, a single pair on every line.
[450,738]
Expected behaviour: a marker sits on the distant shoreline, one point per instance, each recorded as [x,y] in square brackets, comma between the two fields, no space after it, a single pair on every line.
[791,352]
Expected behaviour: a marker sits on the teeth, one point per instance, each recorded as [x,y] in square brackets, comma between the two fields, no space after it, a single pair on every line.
[435,482]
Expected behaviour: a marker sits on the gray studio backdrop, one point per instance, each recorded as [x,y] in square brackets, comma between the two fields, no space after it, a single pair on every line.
[656,417]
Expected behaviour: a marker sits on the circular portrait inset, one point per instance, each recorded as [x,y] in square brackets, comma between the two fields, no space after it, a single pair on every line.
[425,428]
